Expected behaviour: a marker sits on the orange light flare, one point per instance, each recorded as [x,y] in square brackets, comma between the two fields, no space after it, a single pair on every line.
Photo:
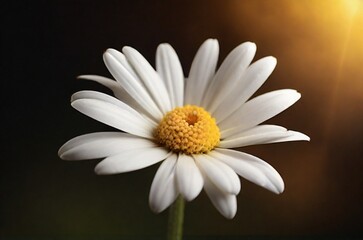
[319,47]
[348,78]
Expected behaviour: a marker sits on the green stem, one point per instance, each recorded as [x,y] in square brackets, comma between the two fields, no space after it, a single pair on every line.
[176,218]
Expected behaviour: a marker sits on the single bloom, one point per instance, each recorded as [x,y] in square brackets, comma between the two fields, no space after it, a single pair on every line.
[189,124]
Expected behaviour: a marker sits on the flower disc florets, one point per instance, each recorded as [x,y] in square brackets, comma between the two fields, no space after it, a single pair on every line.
[189,129]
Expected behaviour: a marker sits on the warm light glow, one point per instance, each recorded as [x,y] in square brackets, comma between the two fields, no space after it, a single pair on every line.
[352,6]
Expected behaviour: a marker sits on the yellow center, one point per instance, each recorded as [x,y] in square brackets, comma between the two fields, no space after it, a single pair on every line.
[189,129]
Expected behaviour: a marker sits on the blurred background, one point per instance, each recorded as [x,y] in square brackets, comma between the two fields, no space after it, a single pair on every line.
[46,44]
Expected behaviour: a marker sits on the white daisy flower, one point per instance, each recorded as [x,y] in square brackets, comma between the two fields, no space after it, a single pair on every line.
[190,124]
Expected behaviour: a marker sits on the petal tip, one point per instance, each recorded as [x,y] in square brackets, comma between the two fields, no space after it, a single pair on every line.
[251,45]
[109,51]
[230,216]
[298,136]
[164,45]
[73,98]
[230,213]
[273,60]
[107,56]
[65,156]
[211,42]
[189,197]
[100,170]
[60,153]
[277,192]
[128,49]
[155,208]
[280,188]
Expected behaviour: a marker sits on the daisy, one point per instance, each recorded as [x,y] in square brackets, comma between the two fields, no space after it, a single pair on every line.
[189,124]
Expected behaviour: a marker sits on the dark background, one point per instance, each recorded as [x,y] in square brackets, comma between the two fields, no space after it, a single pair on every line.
[46,44]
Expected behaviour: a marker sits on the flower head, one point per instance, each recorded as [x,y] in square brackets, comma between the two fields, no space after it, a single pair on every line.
[189,124]
[189,130]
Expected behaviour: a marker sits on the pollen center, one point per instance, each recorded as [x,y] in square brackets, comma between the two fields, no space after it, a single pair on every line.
[189,129]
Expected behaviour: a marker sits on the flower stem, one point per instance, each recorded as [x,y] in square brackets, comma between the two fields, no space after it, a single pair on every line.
[176,218]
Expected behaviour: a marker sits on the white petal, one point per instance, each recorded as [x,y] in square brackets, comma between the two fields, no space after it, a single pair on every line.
[188,176]
[100,145]
[255,75]
[163,190]
[123,95]
[124,62]
[225,203]
[262,134]
[117,90]
[292,136]
[107,82]
[149,77]
[170,70]
[228,75]
[87,94]
[258,110]
[201,72]
[120,116]
[131,160]
[220,174]
[131,84]
[251,168]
